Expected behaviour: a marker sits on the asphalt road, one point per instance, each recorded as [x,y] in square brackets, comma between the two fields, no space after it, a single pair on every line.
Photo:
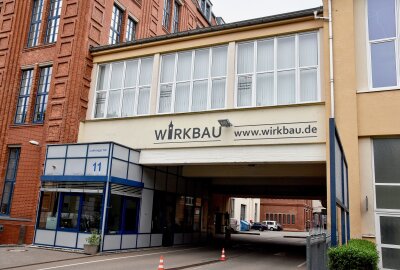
[270,250]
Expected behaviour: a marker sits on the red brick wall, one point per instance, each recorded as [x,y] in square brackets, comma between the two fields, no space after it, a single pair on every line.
[302,209]
[82,24]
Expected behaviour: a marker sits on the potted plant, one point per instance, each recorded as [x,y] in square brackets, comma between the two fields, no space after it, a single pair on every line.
[93,243]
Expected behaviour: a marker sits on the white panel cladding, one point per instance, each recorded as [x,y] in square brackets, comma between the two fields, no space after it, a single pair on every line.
[45,237]
[128,241]
[119,168]
[172,181]
[245,154]
[121,152]
[156,240]
[135,172]
[134,156]
[56,151]
[178,238]
[187,238]
[143,240]
[75,167]
[98,150]
[96,166]
[54,167]
[148,177]
[66,239]
[112,242]
[161,180]
[82,239]
[77,150]
[146,211]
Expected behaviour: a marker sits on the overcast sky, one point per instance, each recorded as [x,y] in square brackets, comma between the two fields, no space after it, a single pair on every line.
[238,10]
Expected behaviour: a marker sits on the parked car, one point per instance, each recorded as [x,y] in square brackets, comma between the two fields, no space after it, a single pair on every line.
[272,225]
[259,226]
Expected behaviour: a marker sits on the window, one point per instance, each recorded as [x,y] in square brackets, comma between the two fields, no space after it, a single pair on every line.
[232,208]
[69,212]
[116,23]
[42,94]
[131,30]
[90,216]
[193,81]
[288,219]
[23,98]
[278,71]
[179,214]
[9,181]
[122,215]
[53,21]
[383,41]
[293,219]
[48,211]
[36,21]
[205,7]
[242,212]
[166,13]
[123,88]
[175,22]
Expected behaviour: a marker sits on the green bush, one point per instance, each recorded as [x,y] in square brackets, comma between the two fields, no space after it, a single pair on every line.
[356,255]
[93,239]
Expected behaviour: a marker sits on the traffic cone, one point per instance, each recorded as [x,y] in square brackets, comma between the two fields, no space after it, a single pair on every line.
[161,264]
[222,255]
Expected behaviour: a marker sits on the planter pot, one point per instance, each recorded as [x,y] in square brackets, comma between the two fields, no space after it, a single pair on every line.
[90,249]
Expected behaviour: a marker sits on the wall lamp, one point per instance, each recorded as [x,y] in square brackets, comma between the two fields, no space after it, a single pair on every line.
[225,123]
[36,143]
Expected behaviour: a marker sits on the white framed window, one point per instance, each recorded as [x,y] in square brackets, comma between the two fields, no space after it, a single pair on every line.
[123,88]
[278,71]
[192,81]
[383,45]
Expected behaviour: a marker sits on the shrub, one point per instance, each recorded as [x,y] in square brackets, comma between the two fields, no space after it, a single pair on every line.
[356,255]
[93,239]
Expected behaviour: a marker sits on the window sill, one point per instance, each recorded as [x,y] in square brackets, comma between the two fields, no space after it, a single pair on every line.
[38,47]
[383,89]
[8,218]
[26,125]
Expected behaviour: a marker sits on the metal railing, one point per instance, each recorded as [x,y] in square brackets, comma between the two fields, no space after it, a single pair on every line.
[317,251]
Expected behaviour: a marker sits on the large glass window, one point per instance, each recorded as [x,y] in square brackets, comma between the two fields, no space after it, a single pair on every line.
[23,98]
[383,39]
[48,211]
[180,214]
[42,94]
[53,21]
[193,80]
[278,71]
[69,212]
[9,181]
[123,88]
[122,215]
[116,23]
[36,21]
[90,213]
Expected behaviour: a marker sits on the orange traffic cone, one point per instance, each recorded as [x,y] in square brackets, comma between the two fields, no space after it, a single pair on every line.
[223,255]
[161,264]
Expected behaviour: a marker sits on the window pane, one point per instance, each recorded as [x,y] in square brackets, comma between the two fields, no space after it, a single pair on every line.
[184,66]
[179,214]
[114,100]
[69,212]
[165,98]
[114,214]
[390,258]
[100,105]
[116,75]
[48,211]
[201,65]
[383,64]
[387,197]
[6,198]
[245,58]
[90,217]
[131,73]
[199,95]
[265,89]
[308,49]
[390,230]
[143,100]
[146,71]
[265,55]
[131,214]
[286,52]
[189,214]
[244,90]
[218,94]
[338,171]
[387,160]
[182,97]
[219,61]
[308,85]
[167,68]
[381,19]
[128,103]
[286,87]
[103,79]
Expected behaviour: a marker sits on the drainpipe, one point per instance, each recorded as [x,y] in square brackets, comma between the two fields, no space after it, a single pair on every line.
[331,72]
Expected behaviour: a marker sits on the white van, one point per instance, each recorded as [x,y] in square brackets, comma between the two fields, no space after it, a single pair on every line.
[272,225]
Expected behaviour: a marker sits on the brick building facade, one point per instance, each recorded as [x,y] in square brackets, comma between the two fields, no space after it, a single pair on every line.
[45,68]
[294,215]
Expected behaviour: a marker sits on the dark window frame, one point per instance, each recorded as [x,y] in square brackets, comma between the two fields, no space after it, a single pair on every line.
[53,21]
[10,181]
[122,219]
[166,14]
[42,94]
[25,89]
